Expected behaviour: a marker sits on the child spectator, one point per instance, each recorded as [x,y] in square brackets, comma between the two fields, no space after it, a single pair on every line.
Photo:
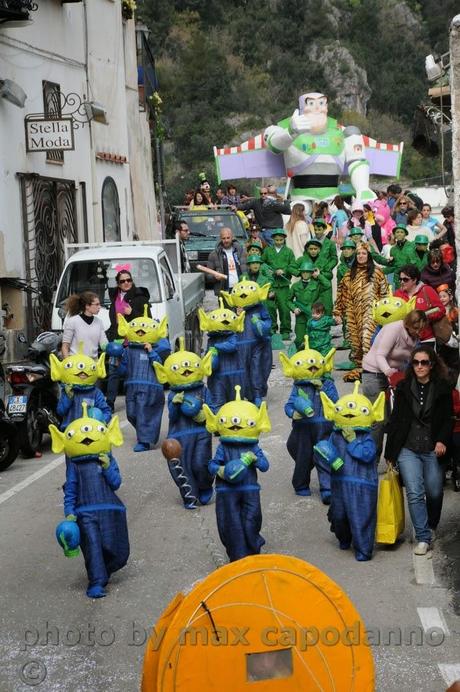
[282,262]
[322,252]
[302,296]
[319,329]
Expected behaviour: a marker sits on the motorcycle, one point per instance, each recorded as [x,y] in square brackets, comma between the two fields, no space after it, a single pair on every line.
[33,402]
[9,438]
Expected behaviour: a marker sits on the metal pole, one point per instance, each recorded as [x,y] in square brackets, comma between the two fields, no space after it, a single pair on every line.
[455,108]
[158,162]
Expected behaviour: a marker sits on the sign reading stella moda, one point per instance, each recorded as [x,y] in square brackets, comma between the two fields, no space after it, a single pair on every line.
[49,135]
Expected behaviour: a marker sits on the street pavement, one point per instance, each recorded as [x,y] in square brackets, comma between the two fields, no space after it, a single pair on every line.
[52,637]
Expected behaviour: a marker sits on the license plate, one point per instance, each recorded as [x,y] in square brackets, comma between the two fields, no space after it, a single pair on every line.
[16,404]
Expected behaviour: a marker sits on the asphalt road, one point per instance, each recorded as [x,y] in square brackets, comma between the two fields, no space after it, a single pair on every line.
[52,637]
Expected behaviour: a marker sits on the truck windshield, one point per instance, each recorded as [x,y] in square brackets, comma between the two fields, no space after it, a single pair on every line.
[99,276]
[202,224]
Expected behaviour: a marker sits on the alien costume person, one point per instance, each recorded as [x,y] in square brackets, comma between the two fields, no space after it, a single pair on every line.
[184,371]
[224,329]
[90,498]
[352,454]
[235,464]
[304,406]
[144,395]
[78,375]
[254,344]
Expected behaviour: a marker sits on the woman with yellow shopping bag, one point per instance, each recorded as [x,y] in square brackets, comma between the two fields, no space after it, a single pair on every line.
[390,508]
[419,430]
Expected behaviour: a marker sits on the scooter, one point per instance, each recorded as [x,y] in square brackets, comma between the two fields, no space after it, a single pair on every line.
[9,438]
[33,402]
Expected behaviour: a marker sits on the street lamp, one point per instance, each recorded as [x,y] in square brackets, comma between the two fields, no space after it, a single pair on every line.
[436,66]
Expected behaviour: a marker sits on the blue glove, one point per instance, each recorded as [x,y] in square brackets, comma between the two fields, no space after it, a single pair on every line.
[114,349]
[191,406]
[213,467]
[328,452]
[302,404]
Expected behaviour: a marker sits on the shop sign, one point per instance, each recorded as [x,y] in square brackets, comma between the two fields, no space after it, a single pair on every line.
[54,134]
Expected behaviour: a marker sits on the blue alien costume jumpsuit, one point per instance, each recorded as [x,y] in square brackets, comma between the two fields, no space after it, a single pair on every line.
[353,510]
[238,510]
[255,349]
[101,515]
[195,440]
[226,368]
[69,408]
[307,431]
[144,395]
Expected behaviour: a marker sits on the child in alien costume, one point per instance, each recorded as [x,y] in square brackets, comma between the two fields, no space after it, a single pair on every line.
[254,345]
[78,375]
[147,344]
[184,372]
[235,463]
[351,454]
[224,328]
[92,476]
[310,372]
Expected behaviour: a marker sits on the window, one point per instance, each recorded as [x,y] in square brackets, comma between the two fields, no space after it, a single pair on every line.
[110,211]
[167,279]
[52,108]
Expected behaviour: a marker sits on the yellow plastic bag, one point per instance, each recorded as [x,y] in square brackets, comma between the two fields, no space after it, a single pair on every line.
[390,509]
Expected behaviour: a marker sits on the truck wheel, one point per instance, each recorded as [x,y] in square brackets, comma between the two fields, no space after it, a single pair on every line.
[196,337]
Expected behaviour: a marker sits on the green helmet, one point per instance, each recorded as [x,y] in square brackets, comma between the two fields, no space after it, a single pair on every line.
[402,227]
[313,241]
[252,259]
[319,222]
[307,266]
[348,242]
[356,231]
[279,231]
[421,240]
[255,243]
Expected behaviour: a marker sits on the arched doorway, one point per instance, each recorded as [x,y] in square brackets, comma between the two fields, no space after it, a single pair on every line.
[110,211]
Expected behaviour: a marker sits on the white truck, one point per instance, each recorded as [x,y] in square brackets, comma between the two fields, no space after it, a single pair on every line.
[93,267]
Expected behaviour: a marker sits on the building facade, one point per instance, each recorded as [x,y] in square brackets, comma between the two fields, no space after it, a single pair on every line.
[68,77]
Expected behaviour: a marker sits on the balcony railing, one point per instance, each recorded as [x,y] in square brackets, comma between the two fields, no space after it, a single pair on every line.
[16,10]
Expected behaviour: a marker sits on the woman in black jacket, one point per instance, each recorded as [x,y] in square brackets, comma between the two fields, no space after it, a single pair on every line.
[128,300]
[419,430]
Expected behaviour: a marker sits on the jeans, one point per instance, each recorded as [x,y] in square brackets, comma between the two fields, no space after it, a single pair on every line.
[113,380]
[266,234]
[423,478]
[373,384]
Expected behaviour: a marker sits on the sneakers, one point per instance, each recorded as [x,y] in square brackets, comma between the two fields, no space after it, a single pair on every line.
[422,548]
[303,492]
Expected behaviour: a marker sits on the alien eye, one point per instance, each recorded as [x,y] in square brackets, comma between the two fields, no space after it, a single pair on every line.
[251,423]
[321,361]
[338,408]
[298,362]
[236,420]
[186,363]
[68,365]
[351,405]
[214,317]
[398,303]
[100,428]
[145,325]
[86,428]
[93,367]
[175,367]
[385,301]
[69,434]
[196,364]
[365,410]
[312,361]
[81,366]
[222,420]
[252,288]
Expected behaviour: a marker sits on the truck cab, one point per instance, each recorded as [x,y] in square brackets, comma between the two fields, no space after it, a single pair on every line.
[174,295]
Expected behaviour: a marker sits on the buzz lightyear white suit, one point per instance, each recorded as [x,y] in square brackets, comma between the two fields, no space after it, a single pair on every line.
[317,151]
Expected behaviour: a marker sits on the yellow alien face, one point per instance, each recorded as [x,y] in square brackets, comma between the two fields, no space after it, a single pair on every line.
[183,367]
[307,364]
[354,410]
[238,419]
[85,436]
[221,320]
[77,369]
[143,330]
[391,309]
[246,293]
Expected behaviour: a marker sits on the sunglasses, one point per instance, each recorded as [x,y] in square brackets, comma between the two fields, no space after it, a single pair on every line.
[424,362]
[125,281]
[404,279]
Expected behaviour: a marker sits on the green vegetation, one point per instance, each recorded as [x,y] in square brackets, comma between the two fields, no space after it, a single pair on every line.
[227,70]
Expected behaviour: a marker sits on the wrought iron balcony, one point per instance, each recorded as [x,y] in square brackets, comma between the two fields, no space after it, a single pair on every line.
[16,10]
